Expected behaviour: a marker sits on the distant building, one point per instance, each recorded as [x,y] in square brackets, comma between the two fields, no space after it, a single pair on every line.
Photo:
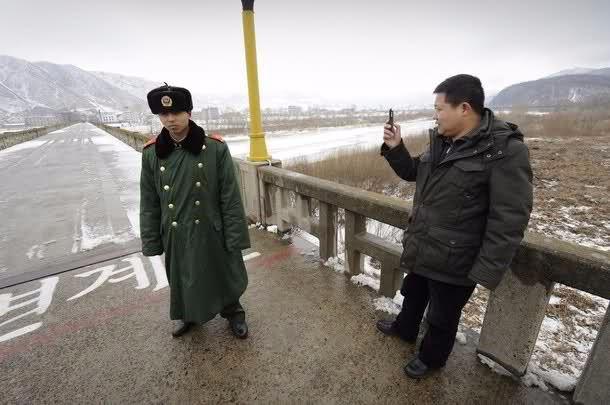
[17,126]
[108,117]
[210,114]
[130,117]
[294,110]
[41,120]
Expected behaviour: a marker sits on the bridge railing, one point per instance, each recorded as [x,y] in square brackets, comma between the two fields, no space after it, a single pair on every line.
[9,139]
[515,310]
[136,140]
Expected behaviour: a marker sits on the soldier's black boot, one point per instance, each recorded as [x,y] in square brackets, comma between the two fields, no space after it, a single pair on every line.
[181,327]
[239,327]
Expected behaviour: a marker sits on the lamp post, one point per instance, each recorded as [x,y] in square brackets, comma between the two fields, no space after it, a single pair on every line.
[258,147]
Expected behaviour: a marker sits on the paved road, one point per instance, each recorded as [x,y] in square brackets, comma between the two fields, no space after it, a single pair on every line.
[67,199]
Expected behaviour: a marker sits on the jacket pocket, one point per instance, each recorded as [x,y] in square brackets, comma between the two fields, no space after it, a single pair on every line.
[468,181]
[451,251]
[217,225]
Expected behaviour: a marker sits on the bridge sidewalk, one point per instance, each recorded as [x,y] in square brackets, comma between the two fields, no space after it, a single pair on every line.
[312,340]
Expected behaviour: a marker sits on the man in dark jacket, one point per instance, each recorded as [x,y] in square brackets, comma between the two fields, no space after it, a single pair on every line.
[472,203]
[191,210]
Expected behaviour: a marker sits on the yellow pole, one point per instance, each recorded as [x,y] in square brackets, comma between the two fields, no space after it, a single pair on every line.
[258,147]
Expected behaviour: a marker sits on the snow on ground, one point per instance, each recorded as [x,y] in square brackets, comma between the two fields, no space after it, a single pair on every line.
[125,169]
[21,146]
[568,228]
[319,142]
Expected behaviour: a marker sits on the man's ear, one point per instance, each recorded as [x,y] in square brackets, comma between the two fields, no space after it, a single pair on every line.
[466,108]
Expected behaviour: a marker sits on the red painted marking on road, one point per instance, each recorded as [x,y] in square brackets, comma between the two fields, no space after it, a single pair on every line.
[54,332]
[279,256]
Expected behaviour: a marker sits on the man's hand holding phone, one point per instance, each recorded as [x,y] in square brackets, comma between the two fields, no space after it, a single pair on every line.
[391,135]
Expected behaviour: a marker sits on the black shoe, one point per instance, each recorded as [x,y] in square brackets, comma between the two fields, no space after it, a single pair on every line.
[417,369]
[239,327]
[181,328]
[387,327]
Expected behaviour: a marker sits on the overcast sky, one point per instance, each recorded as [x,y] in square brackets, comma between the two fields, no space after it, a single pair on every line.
[376,52]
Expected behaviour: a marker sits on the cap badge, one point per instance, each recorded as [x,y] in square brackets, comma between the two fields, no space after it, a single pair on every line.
[166,101]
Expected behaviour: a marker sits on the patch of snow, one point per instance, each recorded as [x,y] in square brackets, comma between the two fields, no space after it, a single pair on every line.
[22,146]
[386,304]
[335,264]
[460,337]
[366,280]
[495,367]
[272,229]
[306,236]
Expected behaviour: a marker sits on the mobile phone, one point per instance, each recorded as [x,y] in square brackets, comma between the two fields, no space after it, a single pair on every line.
[391,119]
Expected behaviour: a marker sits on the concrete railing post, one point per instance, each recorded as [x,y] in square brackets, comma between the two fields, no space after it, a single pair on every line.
[354,224]
[390,279]
[252,189]
[275,206]
[328,231]
[513,318]
[303,212]
[594,384]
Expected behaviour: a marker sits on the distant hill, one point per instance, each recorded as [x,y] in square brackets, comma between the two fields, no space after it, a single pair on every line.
[25,85]
[568,87]
[136,86]
[581,71]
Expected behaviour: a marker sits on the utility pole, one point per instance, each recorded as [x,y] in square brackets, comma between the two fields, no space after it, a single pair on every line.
[258,147]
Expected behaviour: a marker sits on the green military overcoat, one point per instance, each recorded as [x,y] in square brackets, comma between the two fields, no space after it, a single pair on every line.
[191,210]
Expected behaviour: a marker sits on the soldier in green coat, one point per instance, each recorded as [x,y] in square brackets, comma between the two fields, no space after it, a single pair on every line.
[191,210]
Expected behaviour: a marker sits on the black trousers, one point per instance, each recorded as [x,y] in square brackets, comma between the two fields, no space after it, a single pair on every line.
[233,310]
[445,303]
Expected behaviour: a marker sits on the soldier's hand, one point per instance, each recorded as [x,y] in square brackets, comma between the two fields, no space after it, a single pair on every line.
[391,135]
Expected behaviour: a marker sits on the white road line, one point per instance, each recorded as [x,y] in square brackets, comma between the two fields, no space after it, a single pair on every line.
[251,256]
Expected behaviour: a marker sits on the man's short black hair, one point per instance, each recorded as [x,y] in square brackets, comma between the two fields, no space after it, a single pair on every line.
[463,89]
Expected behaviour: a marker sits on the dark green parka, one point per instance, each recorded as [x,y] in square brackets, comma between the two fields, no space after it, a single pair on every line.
[191,210]
[470,208]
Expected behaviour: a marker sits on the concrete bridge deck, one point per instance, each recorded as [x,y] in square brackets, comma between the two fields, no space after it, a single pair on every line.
[100,331]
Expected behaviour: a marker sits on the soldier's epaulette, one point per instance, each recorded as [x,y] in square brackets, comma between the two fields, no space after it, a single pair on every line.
[217,137]
[150,142]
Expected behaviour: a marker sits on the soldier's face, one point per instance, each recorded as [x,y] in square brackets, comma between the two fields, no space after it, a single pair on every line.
[175,122]
[450,119]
